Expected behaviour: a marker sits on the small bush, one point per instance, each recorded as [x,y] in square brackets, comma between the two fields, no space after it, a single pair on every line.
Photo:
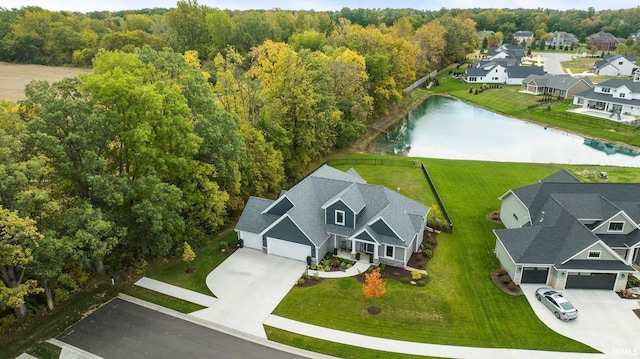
[405,280]
[428,253]
[427,246]
[224,245]
[415,275]
[349,265]
[512,286]
[343,266]
[419,257]
[316,276]
[432,241]
[505,279]
[383,266]
[327,268]
[633,281]
[301,281]
[313,267]
[500,272]
[334,262]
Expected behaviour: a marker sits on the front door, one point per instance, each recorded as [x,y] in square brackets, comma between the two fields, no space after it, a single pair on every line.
[366,247]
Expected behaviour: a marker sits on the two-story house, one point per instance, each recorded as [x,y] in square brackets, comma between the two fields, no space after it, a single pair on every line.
[617,97]
[502,66]
[616,65]
[523,37]
[561,39]
[603,41]
[569,234]
[335,211]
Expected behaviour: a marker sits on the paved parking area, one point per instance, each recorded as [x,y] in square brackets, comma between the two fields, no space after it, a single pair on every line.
[605,322]
[249,285]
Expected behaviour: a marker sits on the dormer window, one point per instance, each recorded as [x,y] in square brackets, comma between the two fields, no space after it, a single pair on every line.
[616,226]
[340,218]
[606,89]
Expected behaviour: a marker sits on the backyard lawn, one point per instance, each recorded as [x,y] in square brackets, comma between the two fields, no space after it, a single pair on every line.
[461,305]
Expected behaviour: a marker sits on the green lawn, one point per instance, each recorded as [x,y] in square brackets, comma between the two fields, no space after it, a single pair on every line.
[461,305]
[172,270]
[509,102]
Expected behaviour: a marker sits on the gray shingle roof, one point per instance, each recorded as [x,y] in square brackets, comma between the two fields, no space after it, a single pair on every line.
[404,215]
[590,94]
[591,264]
[517,72]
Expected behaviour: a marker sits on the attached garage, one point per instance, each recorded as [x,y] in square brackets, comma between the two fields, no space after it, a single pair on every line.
[250,240]
[591,281]
[286,249]
[534,275]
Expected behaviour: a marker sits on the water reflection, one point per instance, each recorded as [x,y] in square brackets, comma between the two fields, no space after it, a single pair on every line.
[442,127]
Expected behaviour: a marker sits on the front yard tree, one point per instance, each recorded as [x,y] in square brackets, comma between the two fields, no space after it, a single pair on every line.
[373,288]
[188,255]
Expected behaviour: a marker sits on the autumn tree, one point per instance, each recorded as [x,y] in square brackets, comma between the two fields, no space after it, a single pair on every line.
[373,288]
[18,238]
[188,255]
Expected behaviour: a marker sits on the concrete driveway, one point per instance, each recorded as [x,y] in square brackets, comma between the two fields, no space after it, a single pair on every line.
[552,61]
[605,322]
[249,285]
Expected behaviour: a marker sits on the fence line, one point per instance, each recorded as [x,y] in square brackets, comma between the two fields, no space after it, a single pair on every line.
[373,161]
[438,199]
[421,81]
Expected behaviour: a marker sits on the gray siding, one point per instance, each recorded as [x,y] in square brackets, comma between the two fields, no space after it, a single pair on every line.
[288,231]
[506,261]
[381,228]
[365,237]
[512,212]
[281,207]
[349,215]
[604,228]
[604,253]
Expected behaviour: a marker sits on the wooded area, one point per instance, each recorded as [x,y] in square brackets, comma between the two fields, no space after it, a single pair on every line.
[189,111]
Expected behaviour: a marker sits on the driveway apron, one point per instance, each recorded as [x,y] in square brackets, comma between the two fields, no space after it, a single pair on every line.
[605,322]
[249,285]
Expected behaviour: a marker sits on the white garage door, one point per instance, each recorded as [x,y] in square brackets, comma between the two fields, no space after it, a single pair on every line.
[286,249]
[251,240]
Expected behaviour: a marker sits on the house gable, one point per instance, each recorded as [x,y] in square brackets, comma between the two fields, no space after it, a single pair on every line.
[596,251]
[280,206]
[339,211]
[381,227]
[620,223]
[286,229]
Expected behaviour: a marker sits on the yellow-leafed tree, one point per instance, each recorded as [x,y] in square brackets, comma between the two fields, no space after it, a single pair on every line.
[188,255]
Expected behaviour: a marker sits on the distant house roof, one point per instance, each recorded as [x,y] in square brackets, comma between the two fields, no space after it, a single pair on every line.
[521,33]
[521,72]
[513,50]
[561,82]
[602,38]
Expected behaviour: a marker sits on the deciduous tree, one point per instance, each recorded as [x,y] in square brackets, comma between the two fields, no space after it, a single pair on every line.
[373,287]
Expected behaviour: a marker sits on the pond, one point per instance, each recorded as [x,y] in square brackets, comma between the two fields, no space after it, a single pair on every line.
[442,127]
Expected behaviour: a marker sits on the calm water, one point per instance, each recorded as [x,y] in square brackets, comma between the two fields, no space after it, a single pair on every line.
[447,128]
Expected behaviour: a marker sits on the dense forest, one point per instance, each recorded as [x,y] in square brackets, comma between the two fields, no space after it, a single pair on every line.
[189,111]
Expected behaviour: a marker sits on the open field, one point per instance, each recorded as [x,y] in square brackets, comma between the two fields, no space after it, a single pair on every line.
[14,77]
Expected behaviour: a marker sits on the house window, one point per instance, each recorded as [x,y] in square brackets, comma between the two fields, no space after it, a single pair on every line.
[620,63]
[580,101]
[515,216]
[616,226]
[390,251]
[622,95]
[606,90]
[594,254]
[340,219]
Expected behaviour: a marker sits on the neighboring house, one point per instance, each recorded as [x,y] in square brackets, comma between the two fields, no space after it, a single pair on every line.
[616,65]
[502,65]
[611,96]
[560,39]
[603,41]
[568,234]
[564,86]
[523,37]
[331,210]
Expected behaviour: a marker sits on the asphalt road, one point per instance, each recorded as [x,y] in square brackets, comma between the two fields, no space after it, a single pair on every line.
[121,329]
[552,61]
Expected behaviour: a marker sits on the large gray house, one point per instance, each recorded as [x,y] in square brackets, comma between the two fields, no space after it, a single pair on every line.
[334,210]
[569,234]
[564,86]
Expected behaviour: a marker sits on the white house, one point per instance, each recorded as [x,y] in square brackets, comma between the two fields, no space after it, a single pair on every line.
[612,96]
[616,65]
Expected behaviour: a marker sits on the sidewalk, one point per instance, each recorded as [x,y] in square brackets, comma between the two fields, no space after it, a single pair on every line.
[357,268]
[413,348]
[174,291]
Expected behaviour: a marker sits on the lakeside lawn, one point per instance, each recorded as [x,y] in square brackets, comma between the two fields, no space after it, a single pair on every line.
[508,101]
[461,305]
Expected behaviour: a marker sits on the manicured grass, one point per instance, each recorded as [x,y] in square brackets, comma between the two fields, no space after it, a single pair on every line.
[331,348]
[172,270]
[461,305]
[163,300]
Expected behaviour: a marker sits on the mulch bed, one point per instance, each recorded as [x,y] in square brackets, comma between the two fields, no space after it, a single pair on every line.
[637,311]
[632,295]
[310,282]
[416,263]
[391,272]
[504,287]
[374,310]
[494,217]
